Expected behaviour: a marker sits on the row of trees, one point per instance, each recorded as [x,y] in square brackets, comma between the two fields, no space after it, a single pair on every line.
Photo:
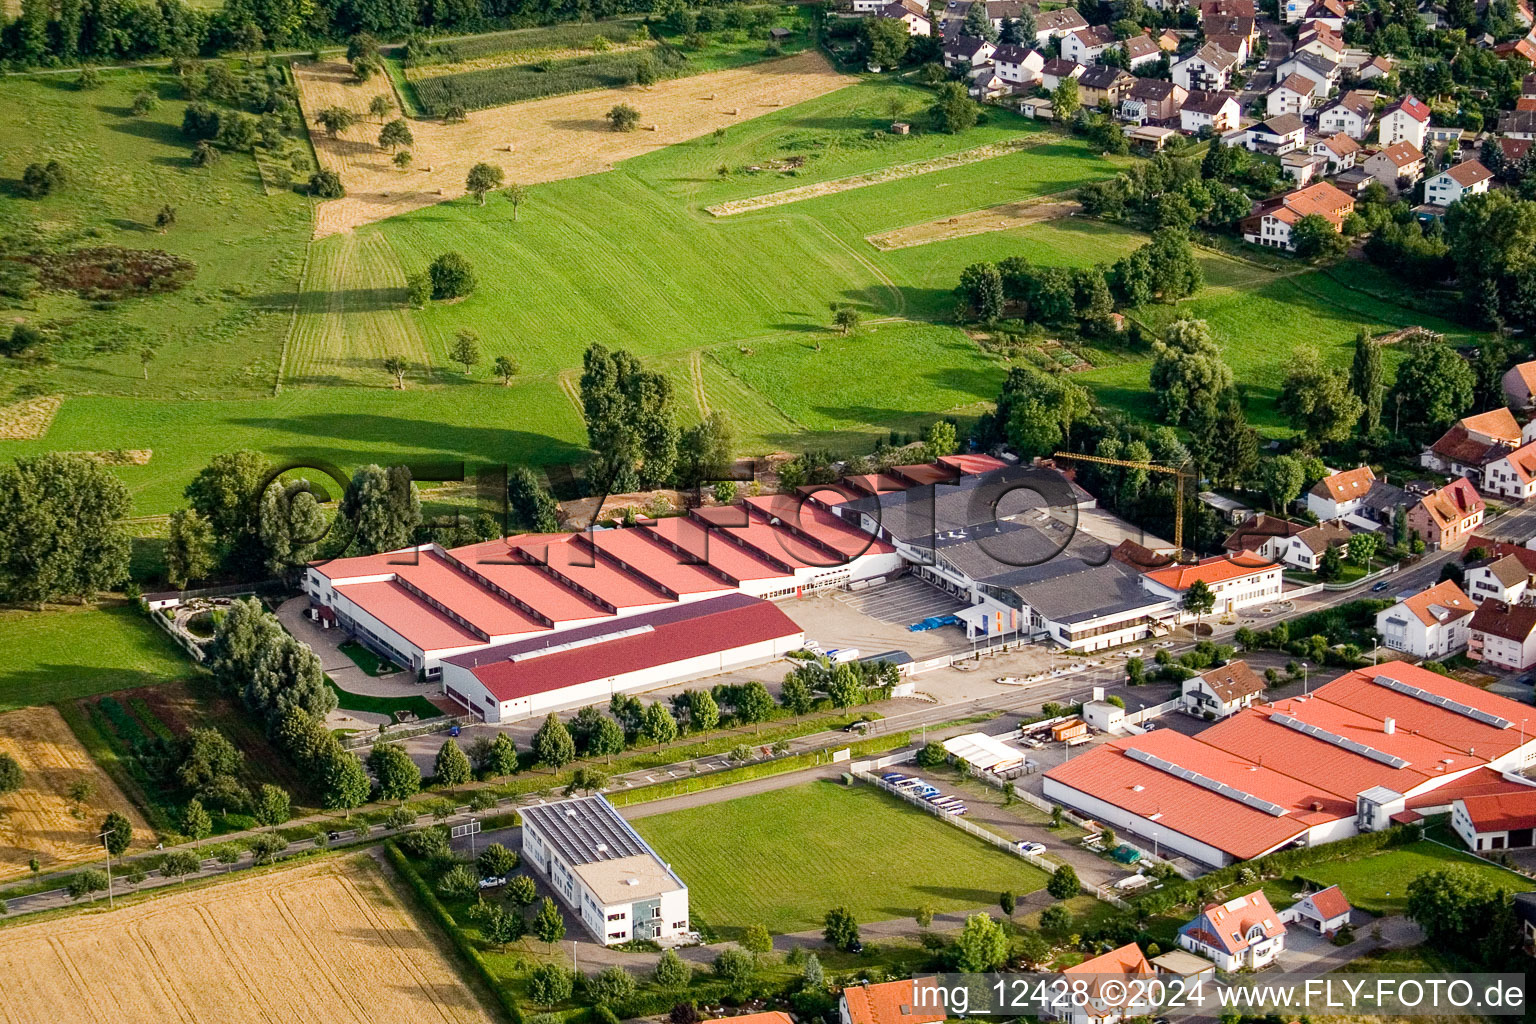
[62,534]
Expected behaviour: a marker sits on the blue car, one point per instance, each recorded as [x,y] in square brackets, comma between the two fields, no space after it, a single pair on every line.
[894,777]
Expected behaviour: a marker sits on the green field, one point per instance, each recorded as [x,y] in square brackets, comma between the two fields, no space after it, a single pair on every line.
[856,847]
[69,652]
[1379,883]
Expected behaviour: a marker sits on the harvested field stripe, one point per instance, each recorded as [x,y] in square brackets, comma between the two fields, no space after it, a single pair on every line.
[826,188]
[978,222]
[696,378]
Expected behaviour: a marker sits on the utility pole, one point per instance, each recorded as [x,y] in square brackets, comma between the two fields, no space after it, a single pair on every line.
[105,850]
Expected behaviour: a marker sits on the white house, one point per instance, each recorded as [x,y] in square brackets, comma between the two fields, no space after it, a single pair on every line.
[1105,1002]
[967,52]
[1499,578]
[888,1002]
[1086,44]
[1407,120]
[1467,178]
[1292,96]
[1221,691]
[1244,932]
[1503,635]
[1208,69]
[1262,536]
[1513,475]
[1434,623]
[1338,149]
[911,14]
[601,869]
[1217,111]
[1056,24]
[1338,494]
[1520,385]
[1326,73]
[1305,551]
[1271,222]
[1352,113]
[1055,71]
[1278,135]
[1496,821]
[1236,583]
[1324,911]
[1018,65]
[1141,49]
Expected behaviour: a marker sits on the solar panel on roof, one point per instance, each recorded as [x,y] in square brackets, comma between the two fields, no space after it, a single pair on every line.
[1205,782]
[1344,742]
[1467,710]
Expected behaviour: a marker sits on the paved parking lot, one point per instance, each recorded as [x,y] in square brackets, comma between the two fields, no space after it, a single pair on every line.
[905,601]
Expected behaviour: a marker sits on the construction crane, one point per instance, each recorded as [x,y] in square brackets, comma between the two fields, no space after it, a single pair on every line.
[1178,474]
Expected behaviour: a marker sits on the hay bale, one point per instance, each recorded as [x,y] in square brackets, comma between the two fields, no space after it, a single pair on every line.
[439,190]
[651,127]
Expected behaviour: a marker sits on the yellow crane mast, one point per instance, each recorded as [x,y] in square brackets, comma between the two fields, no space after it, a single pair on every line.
[1178,474]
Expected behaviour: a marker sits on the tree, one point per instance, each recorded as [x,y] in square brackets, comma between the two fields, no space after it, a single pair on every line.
[1362,548]
[1199,599]
[1065,100]
[703,712]
[548,983]
[622,117]
[62,533]
[1007,901]
[465,349]
[954,111]
[1055,918]
[552,744]
[631,427]
[1281,479]
[503,927]
[395,772]
[978,24]
[672,971]
[195,823]
[40,180]
[1435,384]
[117,833]
[499,758]
[796,695]
[496,861]
[325,184]
[612,986]
[1317,399]
[506,368]
[846,318]
[548,924]
[812,974]
[705,450]
[658,725]
[382,507]
[841,930]
[291,525]
[1063,884]
[451,767]
[190,552]
[335,120]
[451,275]
[516,195]
[522,891]
[1187,371]
[1222,443]
[418,290]
[982,945]
[886,40]
[754,704]
[83,883]
[981,289]
[483,178]
[532,507]
[735,967]
[396,134]
[1452,906]
[10,774]
[204,155]
[273,806]
[402,159]
[1331,564]
[607,740]
[1367,379]
[1317,240]
[932,754]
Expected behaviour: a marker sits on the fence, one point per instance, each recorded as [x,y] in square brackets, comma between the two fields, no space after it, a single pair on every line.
[1154,711]
[183,641]
[368,739]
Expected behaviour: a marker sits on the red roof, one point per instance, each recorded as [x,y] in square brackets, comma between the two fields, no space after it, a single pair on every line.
[663,568]
[687,537]
[889,1002]
[564,559]
[1500,548]
[817,524]
[1212,570]
[1225,926]
[1502,812]
[1330,903]
[411,617]
[617,647]
[1412,106]
[1483,782]
[970,464]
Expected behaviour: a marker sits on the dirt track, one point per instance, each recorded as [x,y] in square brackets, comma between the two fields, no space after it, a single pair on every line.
[977,222]
[541,140]
[329,942]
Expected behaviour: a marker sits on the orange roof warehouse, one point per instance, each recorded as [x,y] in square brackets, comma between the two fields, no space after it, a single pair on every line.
[1307,769]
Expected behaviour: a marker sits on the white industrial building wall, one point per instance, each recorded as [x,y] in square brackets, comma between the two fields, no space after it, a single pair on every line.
[1167,838]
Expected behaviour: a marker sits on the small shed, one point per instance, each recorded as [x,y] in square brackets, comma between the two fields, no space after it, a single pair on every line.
[1181,964]
[900,128]
[1068,730]
[1103,715]
[1325,911]
[778,33]
[986,753]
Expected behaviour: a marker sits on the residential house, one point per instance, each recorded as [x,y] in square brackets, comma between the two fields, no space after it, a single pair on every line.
[911,14]
[1352,113]
[1086,44]
[1497,578]
[1520,385]
[890,1002]
[1407,120]
[1168,42]
[967,52]
[1447,515]
[1222,691]
[1233,33]
[987,84]
[1244,932]
[1373,69]
[1018,65]
[1141,49]
[999,11]
[1277,136]
[1305,550]
[1397,166]
[1324,911]
[1211,10]
[1056,24]
[1056,70]
[1338,494]
[1262,536]
[1325,72]
[1503,635]
[1472,443]
[1328,12]
[1318,38]
[1102,82]
[1236,582]
[1440,136]
[1518,124]
[1037,107]
[1104,1002]
[1271,222]
[1466,178]
[1214,111]
[1208,69]
[1338,149]
[1152,101]
[1496,821]
[1292,96]
[1512,475]
[1434,623]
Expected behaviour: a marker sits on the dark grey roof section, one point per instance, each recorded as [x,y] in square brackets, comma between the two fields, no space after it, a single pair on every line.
[1088,593]
[585,830]
[1385,497]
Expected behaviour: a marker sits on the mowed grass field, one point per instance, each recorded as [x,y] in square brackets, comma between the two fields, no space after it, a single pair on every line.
[330,941]
[43,819]
[855,847]
[67,652]
[1379,883]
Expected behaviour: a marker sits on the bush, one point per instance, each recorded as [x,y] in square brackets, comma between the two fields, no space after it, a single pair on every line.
[326,185]
[459,882]
[623,117]
[451,276]
[40,179]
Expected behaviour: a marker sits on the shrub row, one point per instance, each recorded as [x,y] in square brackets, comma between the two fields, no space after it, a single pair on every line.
[550,37]
[494,87]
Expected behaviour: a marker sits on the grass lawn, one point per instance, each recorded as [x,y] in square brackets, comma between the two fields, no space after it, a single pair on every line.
[68,652]
[853,846]
[366,660]
[420,706]
[1379,883]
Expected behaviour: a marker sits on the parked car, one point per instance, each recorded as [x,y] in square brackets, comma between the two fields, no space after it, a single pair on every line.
[1034,848]
[493,882]
[894,777]
[926,791]
[1378,588]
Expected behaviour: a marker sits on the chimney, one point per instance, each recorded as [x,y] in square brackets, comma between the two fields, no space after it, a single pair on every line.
[1389,726]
